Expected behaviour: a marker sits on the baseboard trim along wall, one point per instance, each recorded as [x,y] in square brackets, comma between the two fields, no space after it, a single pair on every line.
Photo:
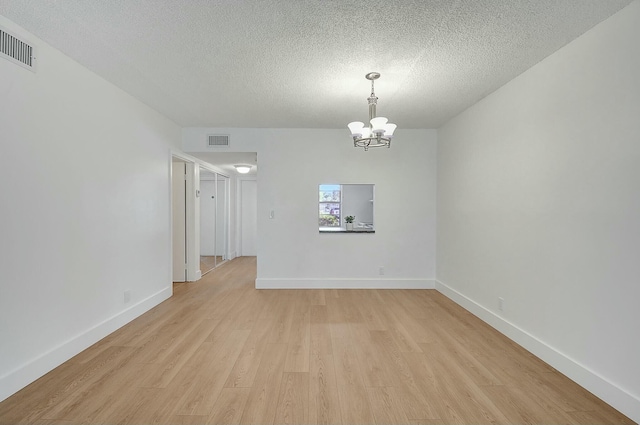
[591,381]
[19,378]
[289,283]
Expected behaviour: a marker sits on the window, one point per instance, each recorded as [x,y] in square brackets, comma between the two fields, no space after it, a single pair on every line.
[329,202]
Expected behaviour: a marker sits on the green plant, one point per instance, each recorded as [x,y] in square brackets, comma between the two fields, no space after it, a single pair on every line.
[349,218]
[327,220]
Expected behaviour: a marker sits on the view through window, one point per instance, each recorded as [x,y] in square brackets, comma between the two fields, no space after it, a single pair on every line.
[329,202]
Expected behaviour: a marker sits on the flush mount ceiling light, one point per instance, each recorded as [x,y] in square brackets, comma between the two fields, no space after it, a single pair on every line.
[243,168]
[379,132]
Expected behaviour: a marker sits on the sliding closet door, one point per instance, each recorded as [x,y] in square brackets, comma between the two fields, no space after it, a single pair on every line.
[208,214]
[214,219]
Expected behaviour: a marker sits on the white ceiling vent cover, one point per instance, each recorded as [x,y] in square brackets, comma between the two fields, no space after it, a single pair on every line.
[218,140]
[16,50]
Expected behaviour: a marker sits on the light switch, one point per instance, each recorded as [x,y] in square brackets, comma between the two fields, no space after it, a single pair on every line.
[272,214]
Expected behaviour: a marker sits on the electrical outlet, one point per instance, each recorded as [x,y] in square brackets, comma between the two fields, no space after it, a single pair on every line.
[500,303]
[381,270]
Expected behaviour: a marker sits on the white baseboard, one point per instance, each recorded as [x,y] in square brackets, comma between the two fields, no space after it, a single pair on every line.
[19,378]
[287,283]
[615,396]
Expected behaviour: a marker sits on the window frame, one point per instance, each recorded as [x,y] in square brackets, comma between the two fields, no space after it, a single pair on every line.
[339,225]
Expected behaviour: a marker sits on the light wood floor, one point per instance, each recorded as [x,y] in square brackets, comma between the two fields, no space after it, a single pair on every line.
[220,351]
[209,262]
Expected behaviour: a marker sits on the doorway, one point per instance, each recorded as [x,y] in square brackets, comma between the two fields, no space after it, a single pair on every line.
[212,211]
[184,219]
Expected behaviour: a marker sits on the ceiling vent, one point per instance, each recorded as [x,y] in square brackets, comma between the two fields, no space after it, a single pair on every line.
[16,50]
[218,141]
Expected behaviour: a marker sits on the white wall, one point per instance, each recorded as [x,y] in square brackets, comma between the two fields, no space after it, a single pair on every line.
[539,203]
[356,201]
[291,165]
[179,221]
[85,211]
[232,212]
[222,218]
[248,228]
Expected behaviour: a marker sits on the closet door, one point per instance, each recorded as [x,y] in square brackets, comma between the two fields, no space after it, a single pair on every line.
[214,219]
[208,219]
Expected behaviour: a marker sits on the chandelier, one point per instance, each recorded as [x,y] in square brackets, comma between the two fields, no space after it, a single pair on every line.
[379,132]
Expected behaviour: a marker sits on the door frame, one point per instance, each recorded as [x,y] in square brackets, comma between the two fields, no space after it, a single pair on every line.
[178,220]
[192,211]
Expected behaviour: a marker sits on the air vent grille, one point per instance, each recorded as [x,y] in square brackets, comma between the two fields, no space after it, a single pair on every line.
[218,140]
[16,50]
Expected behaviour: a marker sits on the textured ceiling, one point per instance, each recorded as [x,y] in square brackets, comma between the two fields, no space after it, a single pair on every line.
[301,63]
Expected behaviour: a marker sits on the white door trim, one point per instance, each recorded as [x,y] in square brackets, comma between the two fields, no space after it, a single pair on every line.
[192,210]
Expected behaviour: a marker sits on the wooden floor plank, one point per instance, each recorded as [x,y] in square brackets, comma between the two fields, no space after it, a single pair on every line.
[375,365]
[167,369]
[352,393]
[324,403]
[370,308]
[465,398]
[263,397]
[386,405]
[229,406]
[145,405]
[200,398]
[412,399]
[299,340]
[517,407]
[281,316]
[320,332]
[459,351]
[91,385]
[293,401]
[246,366]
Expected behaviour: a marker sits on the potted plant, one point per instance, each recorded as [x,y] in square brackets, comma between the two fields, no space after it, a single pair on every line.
[349,221]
